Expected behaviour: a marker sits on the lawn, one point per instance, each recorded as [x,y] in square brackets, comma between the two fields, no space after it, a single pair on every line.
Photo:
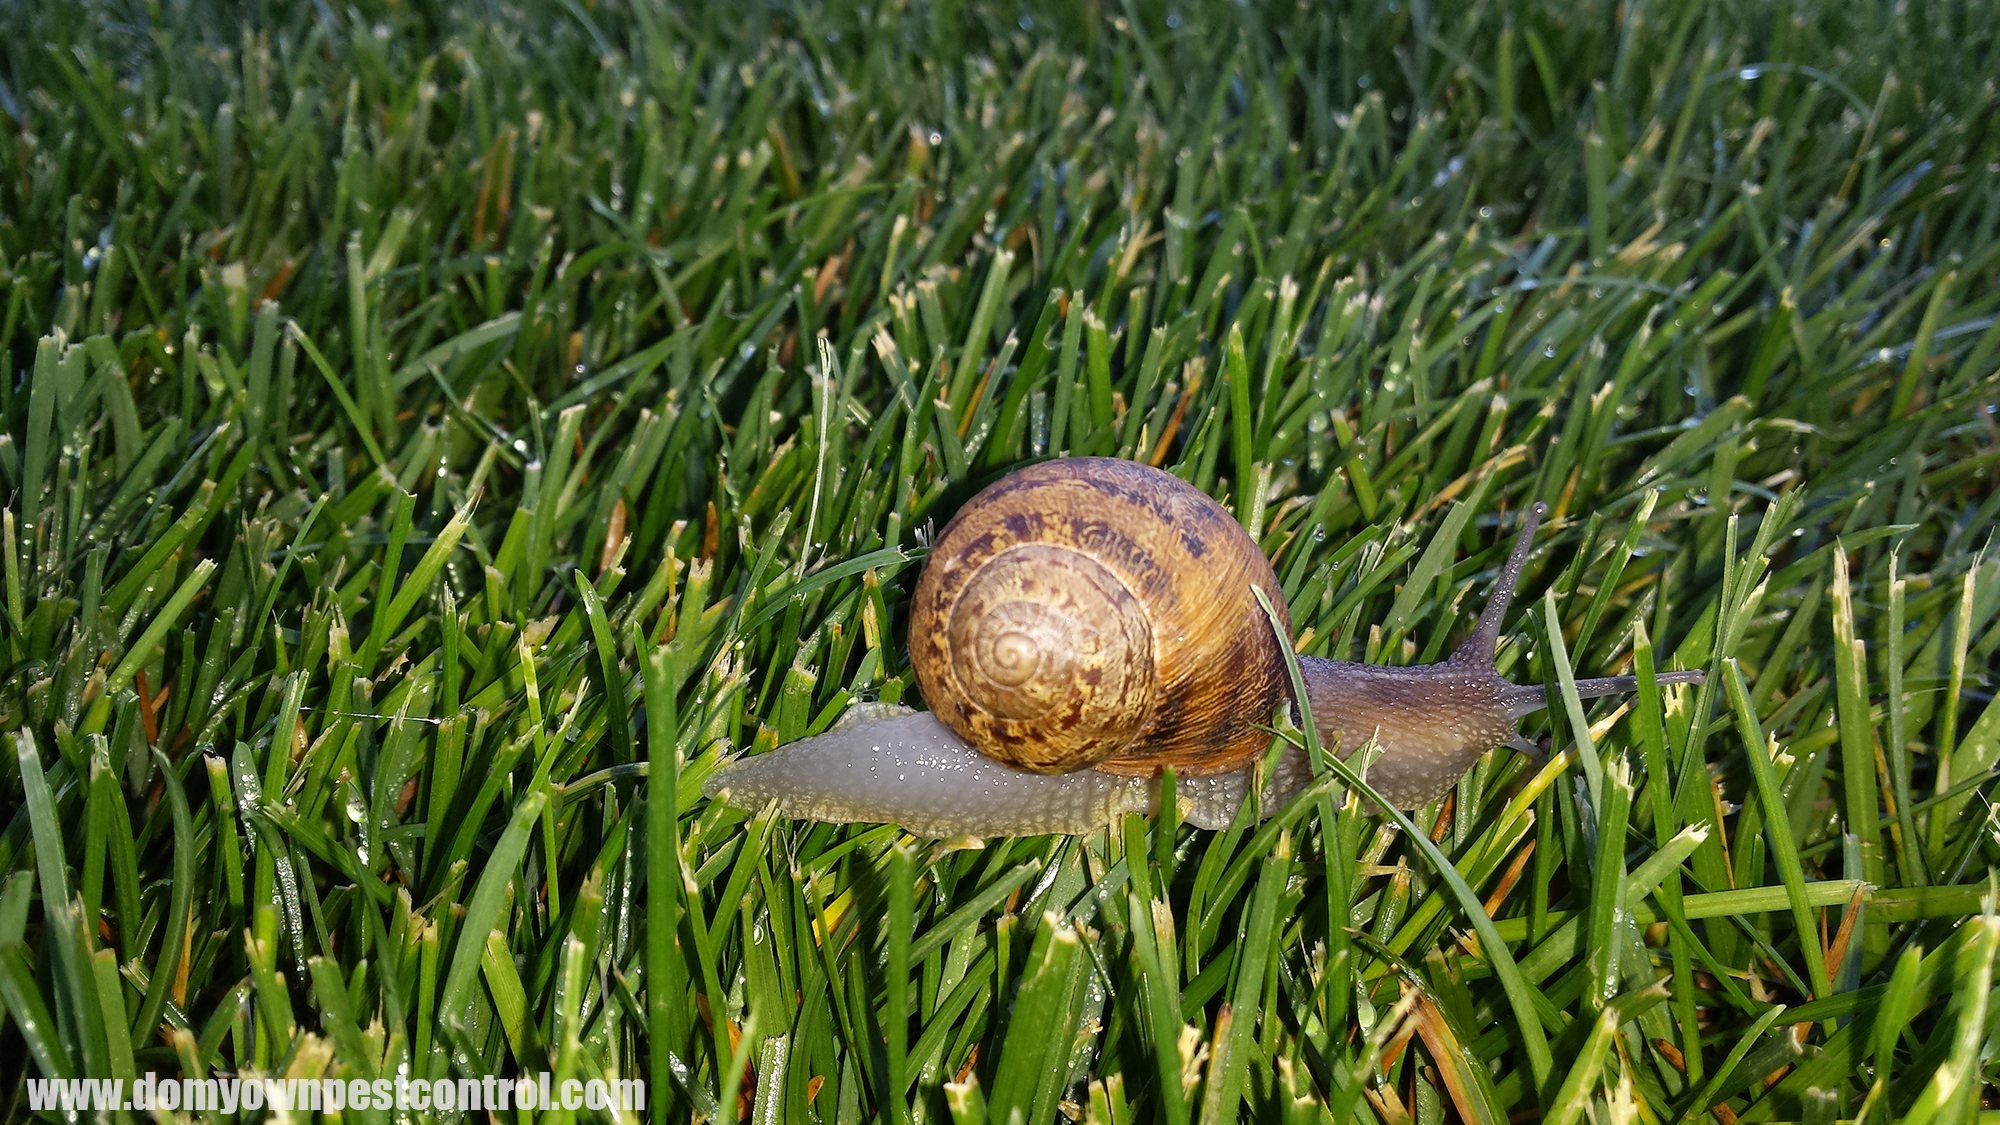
[438,437]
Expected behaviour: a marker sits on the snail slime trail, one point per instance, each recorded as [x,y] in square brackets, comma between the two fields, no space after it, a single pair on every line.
[1083,623]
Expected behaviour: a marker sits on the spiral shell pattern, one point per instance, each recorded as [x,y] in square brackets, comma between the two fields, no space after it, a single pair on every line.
[1057,652]
[1095,612]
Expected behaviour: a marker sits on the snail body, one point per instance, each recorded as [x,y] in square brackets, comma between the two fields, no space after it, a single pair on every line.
[1084,623]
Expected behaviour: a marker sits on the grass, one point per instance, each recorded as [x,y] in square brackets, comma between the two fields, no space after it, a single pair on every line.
[436,439]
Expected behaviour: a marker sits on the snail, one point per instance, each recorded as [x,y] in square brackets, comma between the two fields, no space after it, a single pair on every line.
[1083,623]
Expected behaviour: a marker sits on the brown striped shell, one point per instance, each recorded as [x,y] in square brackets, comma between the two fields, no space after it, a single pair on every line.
[1096,612]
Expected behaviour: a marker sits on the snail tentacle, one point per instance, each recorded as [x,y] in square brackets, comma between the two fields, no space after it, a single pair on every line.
[1535,751]
[1478,649]
[1526,699]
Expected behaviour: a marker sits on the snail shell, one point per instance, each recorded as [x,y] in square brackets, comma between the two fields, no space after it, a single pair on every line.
[1096,612]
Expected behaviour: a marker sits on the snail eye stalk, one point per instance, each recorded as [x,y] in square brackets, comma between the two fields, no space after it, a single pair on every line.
[1478,649]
